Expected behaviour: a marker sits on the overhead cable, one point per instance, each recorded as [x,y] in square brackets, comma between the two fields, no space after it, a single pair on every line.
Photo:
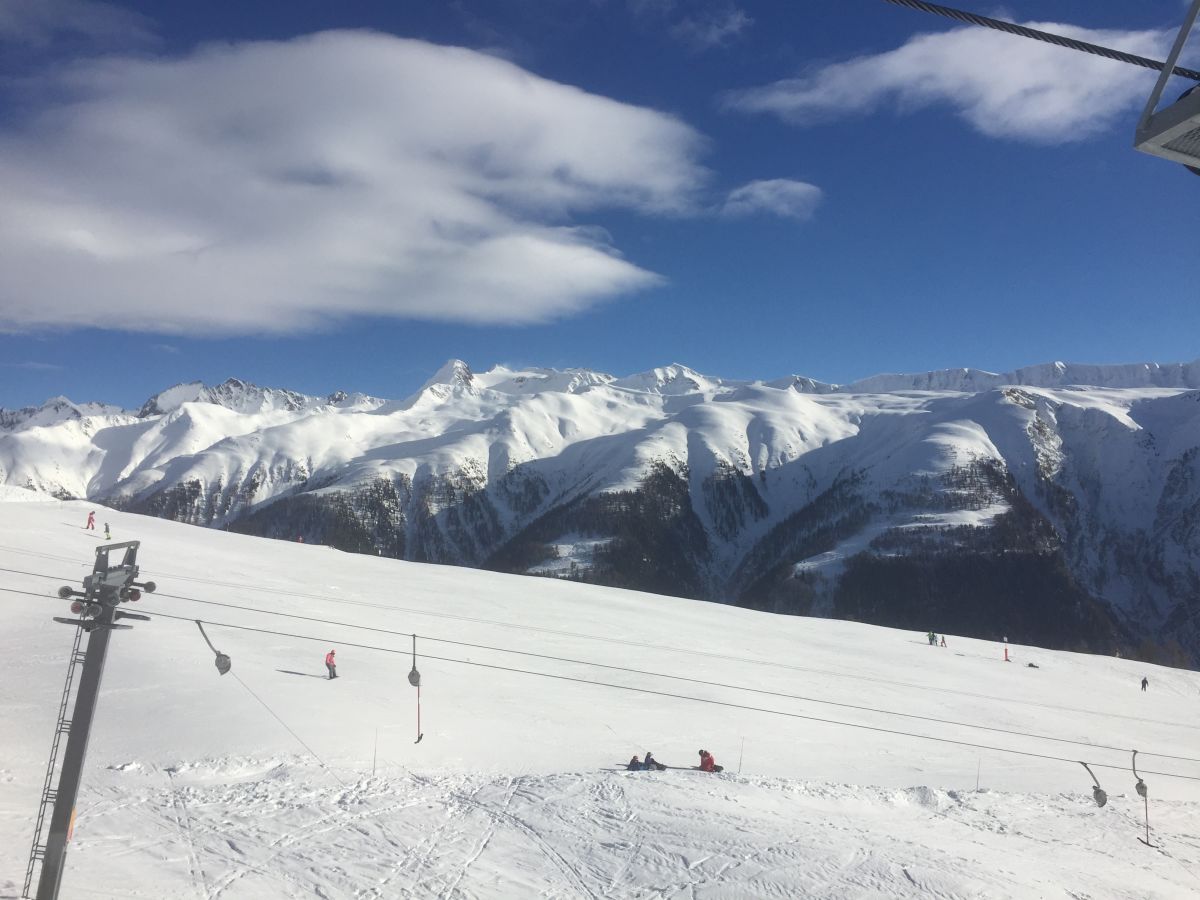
[630,670]
[278,719]
[1045,36]
[700,681]
[669,694]
[625,642]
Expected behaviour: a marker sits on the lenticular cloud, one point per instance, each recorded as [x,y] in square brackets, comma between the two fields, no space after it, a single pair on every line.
[1004,86]
[268,187]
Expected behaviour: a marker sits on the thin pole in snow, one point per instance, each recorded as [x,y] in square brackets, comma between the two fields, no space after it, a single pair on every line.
[414,678]
[375,751]
[741,753]
[977,768]
[1147,801]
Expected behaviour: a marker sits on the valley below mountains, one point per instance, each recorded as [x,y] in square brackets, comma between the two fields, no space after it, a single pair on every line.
[1057,505]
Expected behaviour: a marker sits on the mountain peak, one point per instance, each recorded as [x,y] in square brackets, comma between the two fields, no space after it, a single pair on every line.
[674,379]
[52,412]
[454,378]
[455,373]
[232,394]
[538,380]
[802,384]
[171,399]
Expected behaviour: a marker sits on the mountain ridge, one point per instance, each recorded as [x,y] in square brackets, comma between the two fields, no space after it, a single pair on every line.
[788,495]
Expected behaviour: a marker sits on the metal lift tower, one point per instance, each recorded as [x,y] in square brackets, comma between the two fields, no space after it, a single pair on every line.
[1174,132]
[97,608]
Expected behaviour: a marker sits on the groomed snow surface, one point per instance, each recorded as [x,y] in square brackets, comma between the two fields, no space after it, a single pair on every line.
[194,790]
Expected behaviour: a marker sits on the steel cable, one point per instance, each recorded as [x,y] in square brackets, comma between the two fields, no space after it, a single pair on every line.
[1044,36]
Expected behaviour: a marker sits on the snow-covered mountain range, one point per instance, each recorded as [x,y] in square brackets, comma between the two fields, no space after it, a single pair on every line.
[1057,504]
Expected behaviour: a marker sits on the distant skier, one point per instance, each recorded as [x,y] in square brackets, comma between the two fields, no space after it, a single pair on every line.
[634,765]
[107,532]
[708,763]
[91,522]
[331,663]
[1145,683]
[943,640]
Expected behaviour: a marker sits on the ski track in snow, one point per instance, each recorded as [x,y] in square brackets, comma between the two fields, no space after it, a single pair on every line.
[615,834]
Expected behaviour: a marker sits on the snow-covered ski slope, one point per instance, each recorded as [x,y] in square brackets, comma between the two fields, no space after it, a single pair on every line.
[194,790]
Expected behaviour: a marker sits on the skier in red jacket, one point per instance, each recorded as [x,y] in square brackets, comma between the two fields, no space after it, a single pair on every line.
[331,663]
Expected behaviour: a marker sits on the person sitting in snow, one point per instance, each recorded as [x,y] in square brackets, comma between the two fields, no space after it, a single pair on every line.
[634,764]
[708,762]
[651,764]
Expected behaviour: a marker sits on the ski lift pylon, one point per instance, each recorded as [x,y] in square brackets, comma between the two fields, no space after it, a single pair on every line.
[1173,132]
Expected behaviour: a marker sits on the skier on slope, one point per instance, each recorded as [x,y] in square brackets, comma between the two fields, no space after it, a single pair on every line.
[331,663]
[1145,683]
[91,522]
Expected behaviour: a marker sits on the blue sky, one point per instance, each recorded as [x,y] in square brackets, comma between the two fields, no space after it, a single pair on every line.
[342,196]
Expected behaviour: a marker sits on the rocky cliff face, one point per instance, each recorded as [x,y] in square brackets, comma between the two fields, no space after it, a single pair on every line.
[1056,513]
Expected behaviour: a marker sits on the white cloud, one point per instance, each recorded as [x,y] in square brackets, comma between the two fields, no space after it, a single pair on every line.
[711,28]
[1004,86]
[778,196]
[271,187]
[37,23]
